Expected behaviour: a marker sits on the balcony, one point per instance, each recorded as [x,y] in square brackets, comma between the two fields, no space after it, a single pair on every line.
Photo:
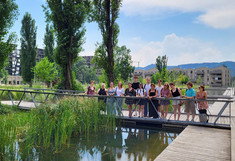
[216,72]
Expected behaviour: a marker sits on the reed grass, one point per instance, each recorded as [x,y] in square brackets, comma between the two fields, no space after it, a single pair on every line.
[51,125]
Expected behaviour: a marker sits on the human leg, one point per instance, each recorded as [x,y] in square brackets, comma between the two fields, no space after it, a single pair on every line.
[179,112]
[166,111]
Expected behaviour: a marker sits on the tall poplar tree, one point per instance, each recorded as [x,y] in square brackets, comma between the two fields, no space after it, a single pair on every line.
[105,13]
[8,14]
[49,43]
[68,18]
[28,48]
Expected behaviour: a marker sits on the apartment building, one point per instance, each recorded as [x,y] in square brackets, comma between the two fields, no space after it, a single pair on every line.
[214,77]
[14,66]
[145,73]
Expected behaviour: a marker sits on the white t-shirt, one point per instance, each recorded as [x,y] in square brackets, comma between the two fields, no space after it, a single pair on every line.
[147,87]
[159,90]
[119,92]
[141,92]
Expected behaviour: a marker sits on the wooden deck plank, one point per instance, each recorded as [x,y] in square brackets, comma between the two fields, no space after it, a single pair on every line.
[199,143]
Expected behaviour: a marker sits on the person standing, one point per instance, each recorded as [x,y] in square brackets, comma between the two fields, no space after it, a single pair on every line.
[147,87]
[159,88]
[129,92]
[141,93]
[102,92]
[91,89]
[176,93]
[111,101]
[119,101]
[153,105]
[166,93]
[202,105]
[135,86]
[190,105]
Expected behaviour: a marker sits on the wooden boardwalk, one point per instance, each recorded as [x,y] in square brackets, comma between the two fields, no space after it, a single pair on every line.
[203,143]
[198,143]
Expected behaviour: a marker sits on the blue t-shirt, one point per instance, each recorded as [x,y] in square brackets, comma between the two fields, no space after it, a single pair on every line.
[190,92]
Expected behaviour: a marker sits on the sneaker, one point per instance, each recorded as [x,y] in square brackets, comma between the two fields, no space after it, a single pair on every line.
[187,120]
[192,120]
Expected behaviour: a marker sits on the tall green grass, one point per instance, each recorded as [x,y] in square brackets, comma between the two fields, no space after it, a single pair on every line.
[51,126]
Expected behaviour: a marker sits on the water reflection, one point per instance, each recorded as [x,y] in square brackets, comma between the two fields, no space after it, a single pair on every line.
[123,144]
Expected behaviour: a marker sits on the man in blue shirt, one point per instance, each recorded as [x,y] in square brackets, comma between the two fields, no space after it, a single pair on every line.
[190,105]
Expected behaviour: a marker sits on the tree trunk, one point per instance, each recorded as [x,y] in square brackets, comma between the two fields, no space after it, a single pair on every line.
[109,45]
[68,74]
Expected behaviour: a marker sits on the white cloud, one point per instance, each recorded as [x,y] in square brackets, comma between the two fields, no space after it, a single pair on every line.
[215,13]
[179,50]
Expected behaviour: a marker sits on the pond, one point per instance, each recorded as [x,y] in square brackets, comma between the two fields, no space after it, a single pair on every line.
[123,144]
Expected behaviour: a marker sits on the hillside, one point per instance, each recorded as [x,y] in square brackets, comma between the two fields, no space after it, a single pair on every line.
[229,64]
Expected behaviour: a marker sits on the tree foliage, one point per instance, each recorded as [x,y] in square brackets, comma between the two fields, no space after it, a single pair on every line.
[28,48]
[46,71]
[8,14]
[182,79]
[199,80]
[123,67]
[105,13]
[83,73]
[68,18]
[161,63]
[49,43]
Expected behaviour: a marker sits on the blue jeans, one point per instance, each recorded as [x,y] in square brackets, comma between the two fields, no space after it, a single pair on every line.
[111,110]
[119,103]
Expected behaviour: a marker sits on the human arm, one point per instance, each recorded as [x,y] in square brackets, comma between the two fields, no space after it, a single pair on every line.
[205,95]
[149,95]
[180,93]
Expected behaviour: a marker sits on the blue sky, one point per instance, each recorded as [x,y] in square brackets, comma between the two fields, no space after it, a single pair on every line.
[187,31]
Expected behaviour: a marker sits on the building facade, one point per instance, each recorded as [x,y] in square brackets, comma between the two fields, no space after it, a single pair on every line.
[214,77]
[14,66]
[145,73]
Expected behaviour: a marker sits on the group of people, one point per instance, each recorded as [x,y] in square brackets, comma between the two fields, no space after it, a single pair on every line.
[150,107]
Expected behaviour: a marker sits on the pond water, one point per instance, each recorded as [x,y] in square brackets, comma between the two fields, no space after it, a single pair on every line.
[123,144]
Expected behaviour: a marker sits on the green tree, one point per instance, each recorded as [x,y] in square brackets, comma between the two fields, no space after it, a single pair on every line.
[105,13]
[123,67]
[49,43]
[28,48]
[4,75]
[8,14]
[199,80]
[83,73]
[161,63]
[182,79]
[173,76]
[165,75]
[68,18]
[155,77]
[45,71]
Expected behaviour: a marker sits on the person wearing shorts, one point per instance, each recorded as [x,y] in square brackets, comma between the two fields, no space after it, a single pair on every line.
[165,93]
[141,93]
[176,93]
[190,104]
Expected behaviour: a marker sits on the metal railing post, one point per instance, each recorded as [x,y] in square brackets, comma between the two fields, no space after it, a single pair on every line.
[221,111]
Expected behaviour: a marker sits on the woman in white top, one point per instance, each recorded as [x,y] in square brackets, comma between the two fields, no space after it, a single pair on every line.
[159,88]
[119,102]
[141,93]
